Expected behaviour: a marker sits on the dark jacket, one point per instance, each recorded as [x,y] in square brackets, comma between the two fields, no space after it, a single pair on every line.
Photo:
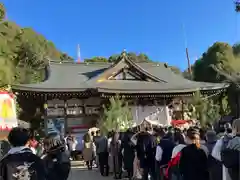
[4,148]
[193,163]
[231,157]
[146,149]
[129,151]
[57,164]
[21,162]
[167,147]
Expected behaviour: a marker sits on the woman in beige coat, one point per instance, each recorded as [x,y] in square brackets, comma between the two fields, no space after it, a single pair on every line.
[88,151]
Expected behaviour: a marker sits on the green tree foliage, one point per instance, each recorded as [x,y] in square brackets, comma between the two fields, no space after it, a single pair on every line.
[2,12]
[204,110]
[220,55]
[24,53]
[117,115]
[176,70]
[133,56]
[138,58]
[6,72]
[97,59]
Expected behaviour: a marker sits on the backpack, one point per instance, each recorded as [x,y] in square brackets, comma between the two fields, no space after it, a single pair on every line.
[225,140]
[230,158]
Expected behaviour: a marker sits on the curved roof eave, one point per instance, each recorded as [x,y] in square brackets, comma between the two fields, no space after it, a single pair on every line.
[37,89]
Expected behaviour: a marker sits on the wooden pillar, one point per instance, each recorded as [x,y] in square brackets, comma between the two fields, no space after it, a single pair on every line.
[221,105]
[182,104]
[45,106]
[65,117]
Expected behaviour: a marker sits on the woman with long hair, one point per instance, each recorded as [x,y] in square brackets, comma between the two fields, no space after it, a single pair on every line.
[193,161]
[88,151]
[55,158]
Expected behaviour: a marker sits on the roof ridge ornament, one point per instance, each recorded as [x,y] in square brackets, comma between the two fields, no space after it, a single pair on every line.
[124,53]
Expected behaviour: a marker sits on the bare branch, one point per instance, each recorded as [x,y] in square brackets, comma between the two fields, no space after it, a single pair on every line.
[232,78]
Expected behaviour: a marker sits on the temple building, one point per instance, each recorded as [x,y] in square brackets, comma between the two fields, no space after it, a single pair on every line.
[74,93]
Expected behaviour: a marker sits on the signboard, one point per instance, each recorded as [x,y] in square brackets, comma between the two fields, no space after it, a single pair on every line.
[55,112]
[77,125]
[8,115]
[55,125]
[55,103]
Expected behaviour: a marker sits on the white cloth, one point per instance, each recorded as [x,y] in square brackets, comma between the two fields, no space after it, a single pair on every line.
[74,145]
[216,153]
[134,139]
[177,149]
[33,150]
[159,153]
[136,168]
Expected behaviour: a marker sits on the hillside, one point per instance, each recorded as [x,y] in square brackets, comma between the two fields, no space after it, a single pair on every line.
[23,53]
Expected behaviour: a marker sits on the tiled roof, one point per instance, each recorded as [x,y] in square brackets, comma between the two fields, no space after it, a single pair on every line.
[70,77]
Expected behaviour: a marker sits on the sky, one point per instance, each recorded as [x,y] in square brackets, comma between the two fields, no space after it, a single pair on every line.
[159,28]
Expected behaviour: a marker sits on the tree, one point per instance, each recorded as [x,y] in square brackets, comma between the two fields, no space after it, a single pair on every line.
[133,56]
[204,110]
[117,115]
[113,58]
[66,57]
[176,70]
[30,61]
[2,12]
[220,55]
[97,59]
[7,72]
[233,93]
[23,52]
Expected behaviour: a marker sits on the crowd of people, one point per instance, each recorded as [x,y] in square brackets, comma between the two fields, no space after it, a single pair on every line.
[167,153]
[150,153]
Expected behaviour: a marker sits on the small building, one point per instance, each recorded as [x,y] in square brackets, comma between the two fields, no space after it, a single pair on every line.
[74,93]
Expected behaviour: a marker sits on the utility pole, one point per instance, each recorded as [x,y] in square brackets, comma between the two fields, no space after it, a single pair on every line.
[186,51]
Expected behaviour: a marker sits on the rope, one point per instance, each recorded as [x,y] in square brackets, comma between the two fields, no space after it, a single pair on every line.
[206,98]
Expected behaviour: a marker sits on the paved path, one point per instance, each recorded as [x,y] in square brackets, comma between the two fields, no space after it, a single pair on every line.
[84,174]
[79,172]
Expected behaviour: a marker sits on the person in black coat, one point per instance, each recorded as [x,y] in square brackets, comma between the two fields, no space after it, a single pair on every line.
[20,162]
[194,161]
[55,158]
[128,153]
[4,148]
[146,150]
